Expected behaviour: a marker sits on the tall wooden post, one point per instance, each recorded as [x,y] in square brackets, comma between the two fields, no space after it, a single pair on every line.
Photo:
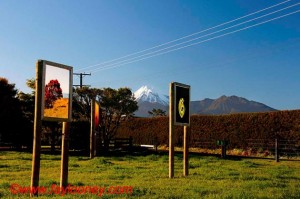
[36,153]
[92,130]
[171,132]
[65,155]
[185,151]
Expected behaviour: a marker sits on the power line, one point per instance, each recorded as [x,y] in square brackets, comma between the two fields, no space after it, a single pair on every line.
[250,55]
[81,75]
[203,41]
[186,36]
[126,60]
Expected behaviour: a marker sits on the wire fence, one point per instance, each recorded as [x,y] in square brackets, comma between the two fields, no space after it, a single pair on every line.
[277,149]
[289,148]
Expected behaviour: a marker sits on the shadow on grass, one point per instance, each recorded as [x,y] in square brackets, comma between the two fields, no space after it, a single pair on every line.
[142,151]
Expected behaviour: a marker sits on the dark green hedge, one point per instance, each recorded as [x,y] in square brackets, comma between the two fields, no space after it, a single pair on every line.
[236,128]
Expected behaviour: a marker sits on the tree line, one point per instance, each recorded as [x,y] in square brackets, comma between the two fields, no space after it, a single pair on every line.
[17,115]
[117,108]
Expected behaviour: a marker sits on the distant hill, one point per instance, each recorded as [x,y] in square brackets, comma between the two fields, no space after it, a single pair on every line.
[147,100]
[227,105]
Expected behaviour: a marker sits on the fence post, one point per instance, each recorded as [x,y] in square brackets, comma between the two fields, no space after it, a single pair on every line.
[223,144]
[276,151]
[130,143]
[155,143]
[223,149]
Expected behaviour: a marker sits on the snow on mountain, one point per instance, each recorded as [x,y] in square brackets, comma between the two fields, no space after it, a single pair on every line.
[145,94]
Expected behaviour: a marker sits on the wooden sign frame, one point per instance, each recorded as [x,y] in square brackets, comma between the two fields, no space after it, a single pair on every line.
[175,106]
[41,67]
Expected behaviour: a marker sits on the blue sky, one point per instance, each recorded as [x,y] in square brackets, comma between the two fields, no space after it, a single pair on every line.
[260,63]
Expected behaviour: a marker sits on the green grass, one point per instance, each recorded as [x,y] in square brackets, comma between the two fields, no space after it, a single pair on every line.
[209,177]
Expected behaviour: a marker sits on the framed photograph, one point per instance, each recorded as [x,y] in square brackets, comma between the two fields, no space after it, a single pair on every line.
[56,91]
[97,115]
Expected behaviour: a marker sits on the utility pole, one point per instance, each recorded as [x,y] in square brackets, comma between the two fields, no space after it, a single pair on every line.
[81,77]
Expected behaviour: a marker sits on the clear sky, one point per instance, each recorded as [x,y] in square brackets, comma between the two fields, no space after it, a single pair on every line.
[261,63]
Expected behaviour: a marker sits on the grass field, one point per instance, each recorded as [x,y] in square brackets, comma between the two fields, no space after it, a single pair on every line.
[59,110]
[210,177]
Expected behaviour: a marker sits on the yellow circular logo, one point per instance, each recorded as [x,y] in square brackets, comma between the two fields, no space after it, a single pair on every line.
[181,107]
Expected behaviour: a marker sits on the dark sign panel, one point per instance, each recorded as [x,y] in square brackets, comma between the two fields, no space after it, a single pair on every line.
[182,104]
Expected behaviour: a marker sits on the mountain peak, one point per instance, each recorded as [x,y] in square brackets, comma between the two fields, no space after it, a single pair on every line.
[146,94]
[141,91]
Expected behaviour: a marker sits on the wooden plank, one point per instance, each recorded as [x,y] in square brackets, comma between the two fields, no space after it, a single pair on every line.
[92,130]
[65,155]
[185,151]
[171,132]
[36,153]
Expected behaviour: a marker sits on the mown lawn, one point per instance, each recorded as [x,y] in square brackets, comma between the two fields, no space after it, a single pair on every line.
[210,177]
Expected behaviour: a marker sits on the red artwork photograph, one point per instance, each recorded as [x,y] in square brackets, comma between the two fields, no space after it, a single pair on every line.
[56,93]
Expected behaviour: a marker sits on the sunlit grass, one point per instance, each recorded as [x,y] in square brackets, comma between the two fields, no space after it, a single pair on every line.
[210,177]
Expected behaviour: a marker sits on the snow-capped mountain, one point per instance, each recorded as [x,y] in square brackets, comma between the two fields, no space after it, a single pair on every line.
[148,100]
[145,94]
